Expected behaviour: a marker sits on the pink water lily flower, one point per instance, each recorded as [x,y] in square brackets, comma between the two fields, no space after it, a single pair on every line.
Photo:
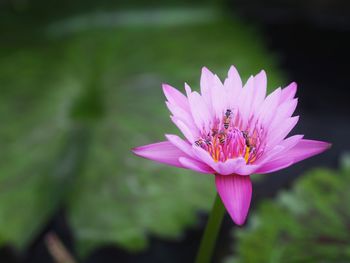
[232,131]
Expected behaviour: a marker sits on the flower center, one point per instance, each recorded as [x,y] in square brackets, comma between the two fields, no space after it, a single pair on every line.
[228,140]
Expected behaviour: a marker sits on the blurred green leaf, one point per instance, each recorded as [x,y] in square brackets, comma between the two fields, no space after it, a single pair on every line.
[107,88]
[34,107]
[309,223]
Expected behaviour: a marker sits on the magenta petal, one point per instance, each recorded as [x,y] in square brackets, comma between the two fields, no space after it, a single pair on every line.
[163,152]
[180,144]
[307,148]
[274,165]
[302,150]
[235,192]
[195,165]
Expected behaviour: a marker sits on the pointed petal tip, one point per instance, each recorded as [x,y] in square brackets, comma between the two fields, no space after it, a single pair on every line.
[206,74]
[135,149]
[138,151]
[324,146]
[261,75]
[188,89]
[294,84]
[239,222]
[205,69]
[166,87]
[232,69]
[169,137]
[235,192]
[292,87]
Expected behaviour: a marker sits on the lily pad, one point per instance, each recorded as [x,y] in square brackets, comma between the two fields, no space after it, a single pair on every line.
[34,111]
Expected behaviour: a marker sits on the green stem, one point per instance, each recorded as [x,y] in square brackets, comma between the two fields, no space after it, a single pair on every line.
[211,231]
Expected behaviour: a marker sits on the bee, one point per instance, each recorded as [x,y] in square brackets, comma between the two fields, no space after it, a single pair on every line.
[246,138]
[252,150]
[207,142]
[199,142]
[248,142]
[222,137]
[227,118]
[227,122]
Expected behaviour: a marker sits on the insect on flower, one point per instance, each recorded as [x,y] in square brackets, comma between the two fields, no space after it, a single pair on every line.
[232,131]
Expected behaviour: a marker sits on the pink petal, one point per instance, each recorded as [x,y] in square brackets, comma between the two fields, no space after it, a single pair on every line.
[302,150]
[285,110]
[260,85]
[307,148]
[219,100]
[246,100]
[204,156]
[269,154]
[268,107]
[200,112]
[234,80]
[175,97]
[274,165]
[188,90]
[163,152]
[277,135]
[290,142]
[188,132]
[235,192]
[195,165]
[180,144]
[230,166]
[233,87]
[246,169]
[182,115]
[288,92]
[206,83]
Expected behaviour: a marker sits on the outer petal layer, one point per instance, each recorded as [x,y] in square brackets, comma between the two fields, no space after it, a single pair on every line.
[195,165]
[235,192]
[163,152]
[302,150]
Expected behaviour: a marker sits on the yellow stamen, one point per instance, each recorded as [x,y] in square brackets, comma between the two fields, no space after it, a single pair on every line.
[246,155]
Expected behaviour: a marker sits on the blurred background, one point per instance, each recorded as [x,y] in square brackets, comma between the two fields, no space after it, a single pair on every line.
[80,86]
